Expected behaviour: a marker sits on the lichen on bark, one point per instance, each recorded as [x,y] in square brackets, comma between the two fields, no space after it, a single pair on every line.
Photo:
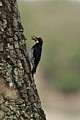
[19,98]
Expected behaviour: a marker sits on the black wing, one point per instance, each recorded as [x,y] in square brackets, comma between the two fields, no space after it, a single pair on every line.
[37,54]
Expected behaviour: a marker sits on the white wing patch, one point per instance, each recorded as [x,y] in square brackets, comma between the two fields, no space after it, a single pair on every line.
[31,58]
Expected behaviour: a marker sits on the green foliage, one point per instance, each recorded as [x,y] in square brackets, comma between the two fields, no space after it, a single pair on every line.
[68,84]
[58,23]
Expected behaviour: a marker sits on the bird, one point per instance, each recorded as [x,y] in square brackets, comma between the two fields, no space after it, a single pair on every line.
[35,53]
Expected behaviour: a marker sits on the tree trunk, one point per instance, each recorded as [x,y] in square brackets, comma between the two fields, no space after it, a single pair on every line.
[19,98]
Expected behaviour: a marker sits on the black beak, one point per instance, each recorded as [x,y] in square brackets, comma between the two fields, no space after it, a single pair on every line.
[34,38]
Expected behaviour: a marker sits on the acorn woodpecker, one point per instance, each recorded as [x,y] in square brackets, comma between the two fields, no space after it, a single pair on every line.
[35,53]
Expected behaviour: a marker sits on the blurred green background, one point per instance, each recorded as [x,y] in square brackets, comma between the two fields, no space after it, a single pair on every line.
[58,74]
[58,23]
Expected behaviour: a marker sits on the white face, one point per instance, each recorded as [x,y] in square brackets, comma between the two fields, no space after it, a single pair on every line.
[37,41]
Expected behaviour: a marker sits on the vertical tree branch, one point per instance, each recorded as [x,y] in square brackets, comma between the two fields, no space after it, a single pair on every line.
[18,94]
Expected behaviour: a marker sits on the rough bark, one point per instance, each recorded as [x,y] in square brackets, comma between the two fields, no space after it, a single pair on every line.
[19,98]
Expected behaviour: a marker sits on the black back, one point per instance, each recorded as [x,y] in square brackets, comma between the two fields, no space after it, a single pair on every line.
[37,49]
